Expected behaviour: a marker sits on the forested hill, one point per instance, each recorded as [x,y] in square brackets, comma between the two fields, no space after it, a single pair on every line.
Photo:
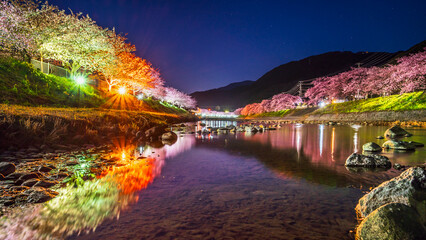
[284,77]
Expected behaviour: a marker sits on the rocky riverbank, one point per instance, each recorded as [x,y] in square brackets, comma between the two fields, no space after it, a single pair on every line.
[32,175]
[50,129]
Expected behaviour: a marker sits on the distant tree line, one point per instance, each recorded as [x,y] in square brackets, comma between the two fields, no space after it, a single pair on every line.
[407,75]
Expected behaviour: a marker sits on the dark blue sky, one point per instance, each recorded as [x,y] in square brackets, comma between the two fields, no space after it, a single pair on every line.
[198,45]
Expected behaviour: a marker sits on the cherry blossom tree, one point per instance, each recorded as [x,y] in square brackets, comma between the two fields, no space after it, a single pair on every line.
[179,99]
[14,34]
[409,74]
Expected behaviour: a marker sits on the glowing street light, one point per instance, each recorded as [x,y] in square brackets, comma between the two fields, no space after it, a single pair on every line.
[80,80]
[122,90]
[139,96]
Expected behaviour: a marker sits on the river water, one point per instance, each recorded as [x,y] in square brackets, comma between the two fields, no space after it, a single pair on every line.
[285,184]
[290,183]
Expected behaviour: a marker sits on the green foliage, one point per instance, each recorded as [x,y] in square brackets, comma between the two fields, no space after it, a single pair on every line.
[406,101]
[280,113]
[21,83]
[81,173]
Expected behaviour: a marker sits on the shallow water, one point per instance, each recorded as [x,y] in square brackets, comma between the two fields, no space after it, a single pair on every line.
[285,184]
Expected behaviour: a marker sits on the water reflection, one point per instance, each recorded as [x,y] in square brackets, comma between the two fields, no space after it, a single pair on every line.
[82,209]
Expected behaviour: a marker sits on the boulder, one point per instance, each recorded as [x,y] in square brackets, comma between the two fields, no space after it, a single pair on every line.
[169,136]
[396,131]
[155,132]
[409,188]
[392,221]
[371,147]
[6,168]
[398,145]
[371,161]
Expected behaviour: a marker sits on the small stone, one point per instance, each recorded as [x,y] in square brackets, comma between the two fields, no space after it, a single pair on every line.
[6,168]
[417,144]
[19,188]
[398,145]
[371,147]
[396,131]
[30,182]
[45,168]
[72,163]
[45,184]
[29,176]
[39,195]
[397,166]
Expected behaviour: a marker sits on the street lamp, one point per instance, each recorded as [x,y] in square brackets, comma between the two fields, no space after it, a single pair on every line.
[80,80]
[122,90]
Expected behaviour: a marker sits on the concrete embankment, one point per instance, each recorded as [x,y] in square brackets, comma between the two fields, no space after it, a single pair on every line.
[417,117]
[372,117]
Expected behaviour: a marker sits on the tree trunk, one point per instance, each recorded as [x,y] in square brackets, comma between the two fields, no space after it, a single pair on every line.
[41,63]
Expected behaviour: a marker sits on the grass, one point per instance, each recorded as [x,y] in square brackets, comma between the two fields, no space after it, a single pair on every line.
[403,102]
[281,113]
[21,83]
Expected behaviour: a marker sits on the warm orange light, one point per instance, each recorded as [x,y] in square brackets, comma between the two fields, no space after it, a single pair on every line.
[122,90]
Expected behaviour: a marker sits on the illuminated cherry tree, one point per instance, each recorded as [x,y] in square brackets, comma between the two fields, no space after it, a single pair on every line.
[278,102]
[14,35]
[178,98]
[406,76]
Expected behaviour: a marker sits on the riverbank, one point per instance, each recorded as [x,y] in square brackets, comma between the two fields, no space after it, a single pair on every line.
[407,109]
[50,129]
[43,150]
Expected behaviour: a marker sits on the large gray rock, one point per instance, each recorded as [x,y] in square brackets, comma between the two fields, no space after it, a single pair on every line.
[6,168]
[409,188]
[370,161]
[396,131]
[399,145]
[371,147]
[393,221]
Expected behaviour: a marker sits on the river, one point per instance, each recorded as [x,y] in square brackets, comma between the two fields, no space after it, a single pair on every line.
[289,183]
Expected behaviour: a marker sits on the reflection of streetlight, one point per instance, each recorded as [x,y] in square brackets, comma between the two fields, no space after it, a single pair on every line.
[122,90]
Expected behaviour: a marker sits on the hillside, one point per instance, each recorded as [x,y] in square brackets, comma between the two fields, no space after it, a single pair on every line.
[284,77]
[22,84]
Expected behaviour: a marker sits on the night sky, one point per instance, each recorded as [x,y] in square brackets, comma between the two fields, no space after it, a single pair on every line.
[198,45]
